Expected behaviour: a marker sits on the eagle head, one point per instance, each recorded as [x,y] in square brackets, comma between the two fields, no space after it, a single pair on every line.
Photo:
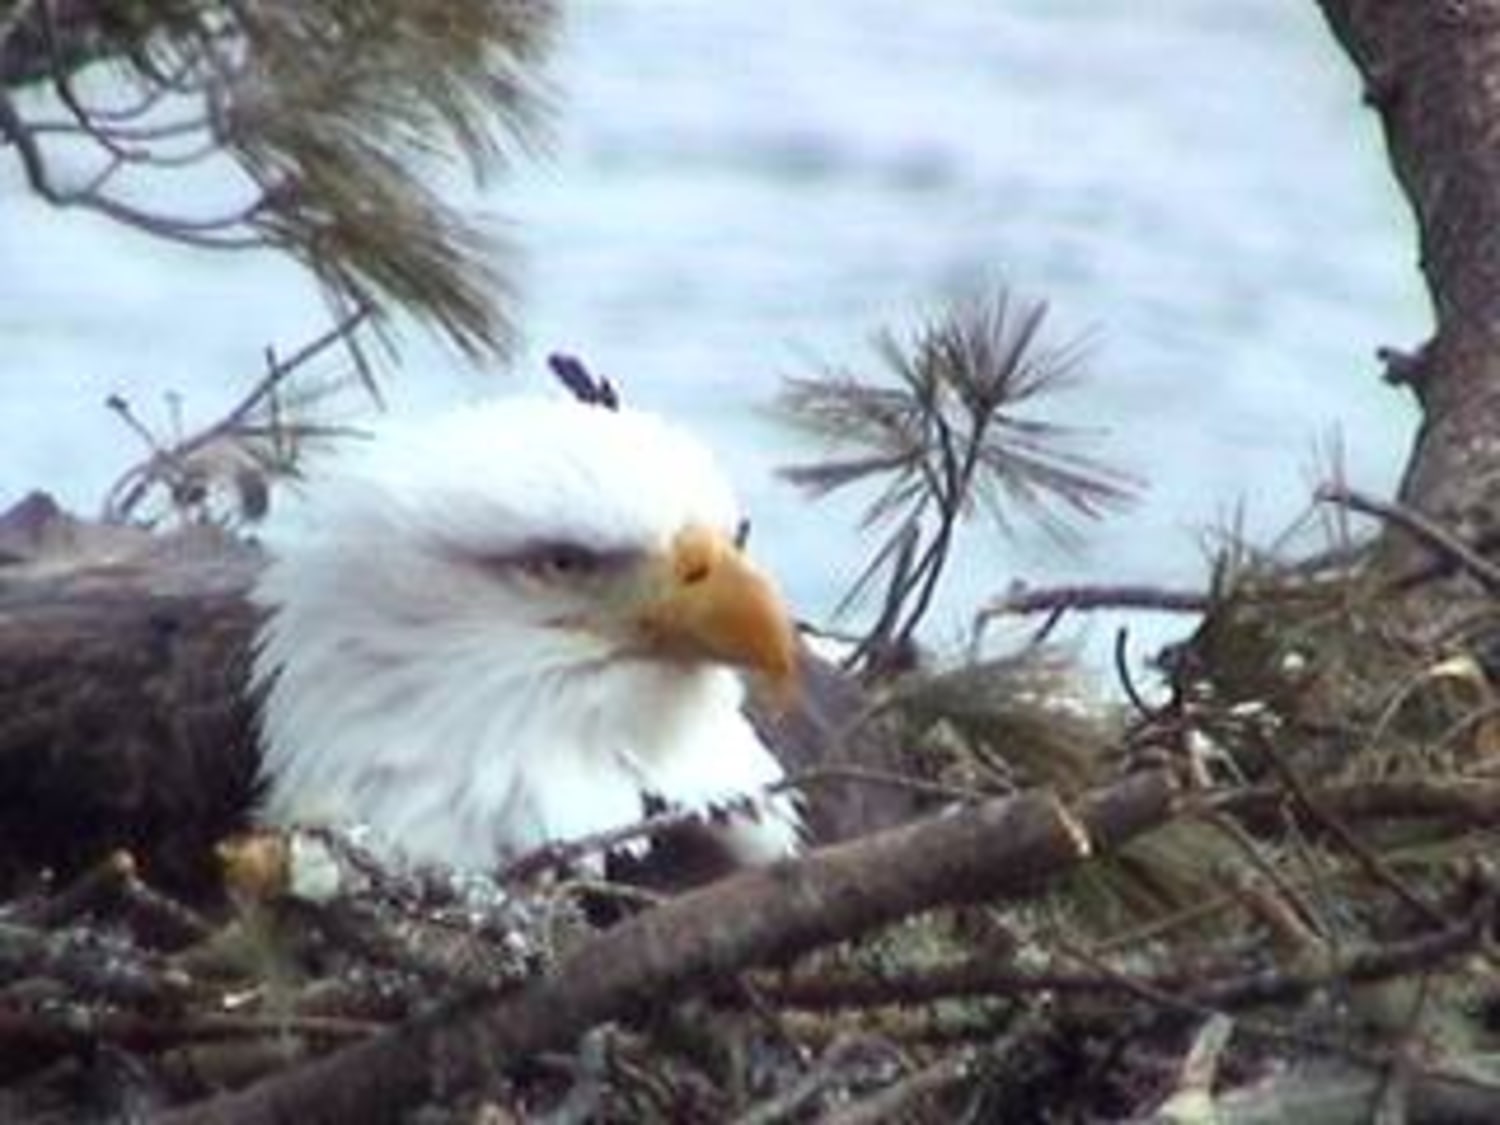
[516,623]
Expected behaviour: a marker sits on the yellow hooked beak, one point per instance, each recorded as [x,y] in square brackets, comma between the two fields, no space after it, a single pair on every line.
[704,600]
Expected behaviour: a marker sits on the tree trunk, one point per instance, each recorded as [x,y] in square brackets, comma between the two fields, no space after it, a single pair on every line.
[1431,70]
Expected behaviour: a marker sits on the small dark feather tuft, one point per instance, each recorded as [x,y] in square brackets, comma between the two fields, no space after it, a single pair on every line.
[582,383]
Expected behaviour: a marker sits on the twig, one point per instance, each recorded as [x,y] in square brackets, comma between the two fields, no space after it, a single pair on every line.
[1127,682]
[833,991]
[169,462]
[277,372]
[1420,527]
[1090,597]
[566,853]
[211,233]
[207,234]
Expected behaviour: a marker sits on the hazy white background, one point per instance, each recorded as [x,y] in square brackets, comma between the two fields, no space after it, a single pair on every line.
[741,190]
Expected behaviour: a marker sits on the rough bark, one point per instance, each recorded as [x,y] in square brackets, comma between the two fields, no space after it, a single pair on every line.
[1432,72]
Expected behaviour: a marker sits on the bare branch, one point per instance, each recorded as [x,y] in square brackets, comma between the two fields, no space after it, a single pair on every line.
[1430,534]
[251,443]
[1022,600]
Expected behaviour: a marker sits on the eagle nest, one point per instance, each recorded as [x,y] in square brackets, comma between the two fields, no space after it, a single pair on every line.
[1266,891]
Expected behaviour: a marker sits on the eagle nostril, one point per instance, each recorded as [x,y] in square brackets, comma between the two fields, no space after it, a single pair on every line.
[694,570]
[694,555]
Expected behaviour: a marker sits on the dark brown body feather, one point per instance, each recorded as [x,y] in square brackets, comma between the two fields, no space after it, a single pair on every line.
[125,716]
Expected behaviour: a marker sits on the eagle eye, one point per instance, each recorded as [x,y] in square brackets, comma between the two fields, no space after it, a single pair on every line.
[561,560]
[552,561]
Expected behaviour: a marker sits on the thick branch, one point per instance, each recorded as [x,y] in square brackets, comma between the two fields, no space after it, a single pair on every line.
[996,848]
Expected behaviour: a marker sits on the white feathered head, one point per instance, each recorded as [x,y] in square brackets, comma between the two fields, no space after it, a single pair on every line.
[511,624]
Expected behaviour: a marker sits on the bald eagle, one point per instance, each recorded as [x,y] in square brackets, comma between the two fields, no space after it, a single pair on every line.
[514,624]
[518,623]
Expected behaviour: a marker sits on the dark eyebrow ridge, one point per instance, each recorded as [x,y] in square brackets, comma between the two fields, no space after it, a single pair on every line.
[534,552]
